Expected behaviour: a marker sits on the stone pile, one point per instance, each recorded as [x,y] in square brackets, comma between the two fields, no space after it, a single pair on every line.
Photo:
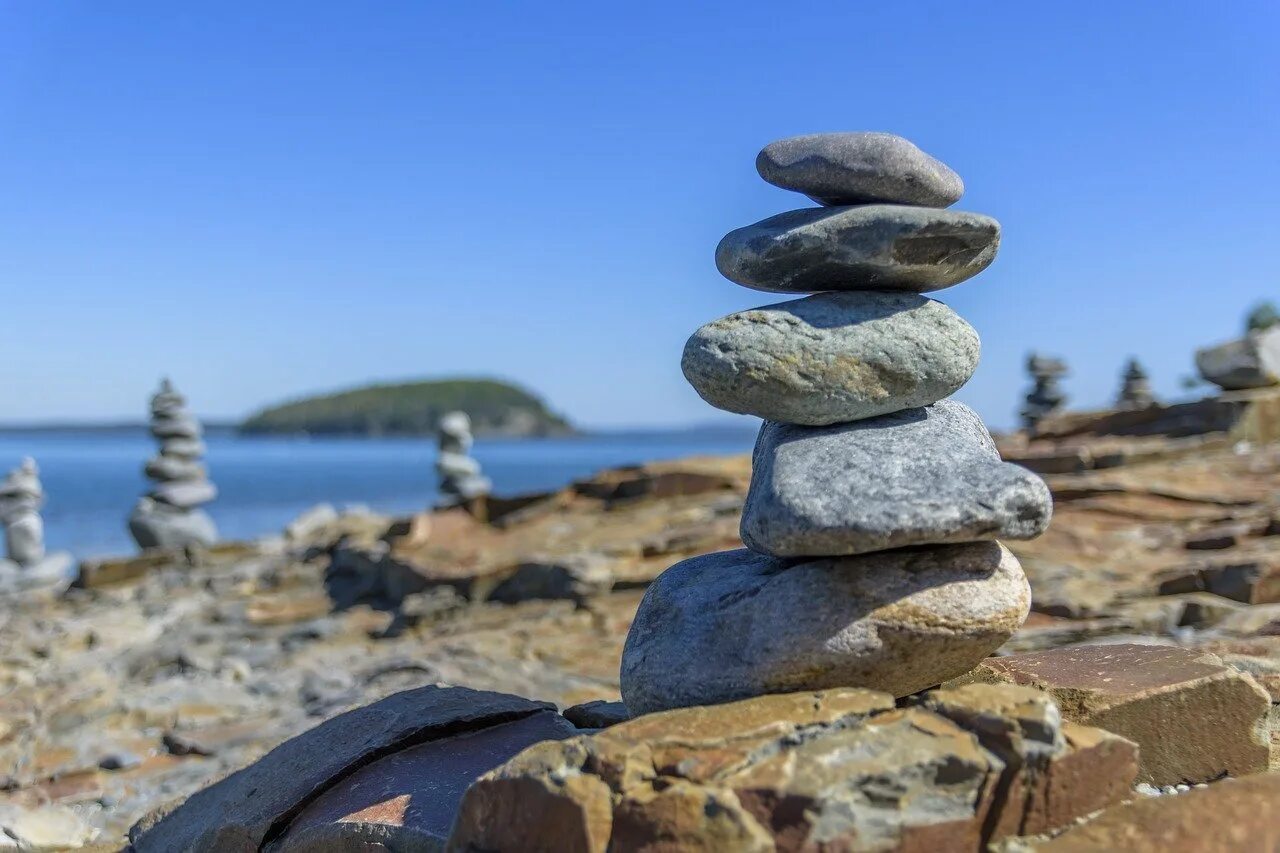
[1135,388]
[874,503]
[169,516]
[460,477]
[1046,396]
[27,566]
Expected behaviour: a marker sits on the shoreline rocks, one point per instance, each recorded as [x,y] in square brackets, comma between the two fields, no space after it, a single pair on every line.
[874,501]
[169,516]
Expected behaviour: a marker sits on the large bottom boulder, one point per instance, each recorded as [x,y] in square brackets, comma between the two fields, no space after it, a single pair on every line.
[735,624]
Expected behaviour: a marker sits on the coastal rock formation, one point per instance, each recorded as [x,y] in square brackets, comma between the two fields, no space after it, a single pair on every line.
[1046,396]
[1135,388]
[460,477]
[27,565]
[169,516]
[1251,362]
[859,455]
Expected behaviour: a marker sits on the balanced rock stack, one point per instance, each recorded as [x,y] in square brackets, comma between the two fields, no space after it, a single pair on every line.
[460,477]
[875,503]
[169,516]
[27,566]
[1046,396]
[1135,388]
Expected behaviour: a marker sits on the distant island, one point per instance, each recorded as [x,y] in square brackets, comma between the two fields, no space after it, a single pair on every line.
[412,409]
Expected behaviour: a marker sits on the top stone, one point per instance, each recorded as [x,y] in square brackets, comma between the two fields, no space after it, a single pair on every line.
[859,168]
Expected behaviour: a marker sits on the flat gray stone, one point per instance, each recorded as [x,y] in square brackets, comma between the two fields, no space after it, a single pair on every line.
[735,624]
[241,812]
[155,525]
[832,357]
[1251,362]
[859,168]
[916,477]
[873,247]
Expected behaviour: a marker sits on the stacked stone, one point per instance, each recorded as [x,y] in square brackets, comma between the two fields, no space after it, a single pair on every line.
[1135,388]
[1046,396]
[875,502]
[169,516]
[27,565]
[460,477]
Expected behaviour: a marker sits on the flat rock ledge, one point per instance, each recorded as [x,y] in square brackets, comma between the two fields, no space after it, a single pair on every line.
[736,624]
[835,770]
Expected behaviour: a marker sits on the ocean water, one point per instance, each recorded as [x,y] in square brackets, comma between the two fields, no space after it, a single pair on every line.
[93,479]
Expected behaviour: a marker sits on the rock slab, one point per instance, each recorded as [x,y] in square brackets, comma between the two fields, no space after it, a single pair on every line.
[916,477]
[872,247]
[242,812]
[1251,362]
[832,358]
[1193,718]
[736,624]
[859,168]
[831,770]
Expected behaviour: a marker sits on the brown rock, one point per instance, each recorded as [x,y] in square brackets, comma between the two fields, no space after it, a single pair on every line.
[1252,579]
[1232,816]
[407,801]
[832,770]
[1193,718]
[245,809]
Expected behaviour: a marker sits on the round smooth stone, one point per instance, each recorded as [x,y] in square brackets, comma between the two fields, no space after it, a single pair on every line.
[832,357]
[872,247]
[859,168]
[736,624]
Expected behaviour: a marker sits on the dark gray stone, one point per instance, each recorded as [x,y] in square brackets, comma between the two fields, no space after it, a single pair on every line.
[245,809]
[597,715]
[735,624]
[859,168]
[1251,362]
[874,247]
[832,357]
[916,477]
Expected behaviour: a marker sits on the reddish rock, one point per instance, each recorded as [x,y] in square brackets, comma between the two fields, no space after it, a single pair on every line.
[407,800]
[1229,817]
[1193,718]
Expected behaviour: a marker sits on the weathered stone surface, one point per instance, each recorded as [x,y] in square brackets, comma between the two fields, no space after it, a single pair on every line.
[408,800]
[872,247]
[921,476]
[1193,718]
[832,357]
[597,715]
[1055,771]
[859,168]
[1231,816]
[1252,578]
[45,828]
[1251,362]
[735,624]
[246,808]
[836,770]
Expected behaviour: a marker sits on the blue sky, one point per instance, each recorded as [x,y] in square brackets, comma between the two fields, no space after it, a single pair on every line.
[267,199]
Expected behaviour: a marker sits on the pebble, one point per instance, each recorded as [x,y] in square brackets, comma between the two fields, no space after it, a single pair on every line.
[916,477]
[733,624]
[832,357]
[873,247]
[859,168]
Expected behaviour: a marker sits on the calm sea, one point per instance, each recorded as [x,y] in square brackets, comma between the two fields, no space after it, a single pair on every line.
[92,479]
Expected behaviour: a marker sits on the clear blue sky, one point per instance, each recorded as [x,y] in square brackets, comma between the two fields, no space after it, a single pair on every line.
[266,199]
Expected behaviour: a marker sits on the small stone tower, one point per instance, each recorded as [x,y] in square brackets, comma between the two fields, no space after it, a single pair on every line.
[460,478]
[1046,396]
[1135,388]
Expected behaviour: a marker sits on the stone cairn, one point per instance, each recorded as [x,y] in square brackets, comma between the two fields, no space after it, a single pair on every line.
[460,479]
[1135,388]
[1046,396]
[27,565]
[169,516]
[875,502]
